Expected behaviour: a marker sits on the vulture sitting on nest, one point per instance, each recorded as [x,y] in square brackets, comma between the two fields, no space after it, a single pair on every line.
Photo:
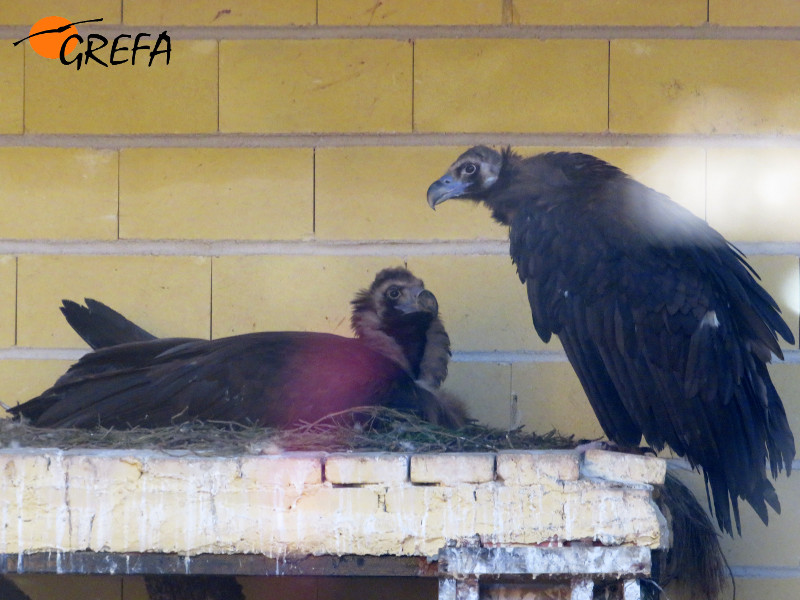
[398,359]
[425,345]
[661,318]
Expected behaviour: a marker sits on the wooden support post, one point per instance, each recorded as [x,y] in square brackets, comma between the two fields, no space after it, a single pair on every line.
[582,588]
[459,589]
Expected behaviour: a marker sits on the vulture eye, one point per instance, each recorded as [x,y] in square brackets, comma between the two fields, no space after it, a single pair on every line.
[393,293]
[470,168]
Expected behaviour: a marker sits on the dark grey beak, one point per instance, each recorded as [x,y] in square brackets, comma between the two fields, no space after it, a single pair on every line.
[420,300]
[443,189]
[427,301]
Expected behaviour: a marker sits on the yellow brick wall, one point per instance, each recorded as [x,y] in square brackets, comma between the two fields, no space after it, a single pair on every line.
[285,151]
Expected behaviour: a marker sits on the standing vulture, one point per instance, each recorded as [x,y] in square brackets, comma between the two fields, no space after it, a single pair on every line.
[661,318]
[398,359]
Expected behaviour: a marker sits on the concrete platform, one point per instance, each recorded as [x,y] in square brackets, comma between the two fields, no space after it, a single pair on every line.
[460,517]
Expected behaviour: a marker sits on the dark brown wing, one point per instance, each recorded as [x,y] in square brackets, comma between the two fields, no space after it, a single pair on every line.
[665,327]
[272,379]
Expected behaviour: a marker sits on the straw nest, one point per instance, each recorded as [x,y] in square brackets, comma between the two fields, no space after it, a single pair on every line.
[361,429]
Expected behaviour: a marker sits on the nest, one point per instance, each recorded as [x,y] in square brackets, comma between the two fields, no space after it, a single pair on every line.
[362,429]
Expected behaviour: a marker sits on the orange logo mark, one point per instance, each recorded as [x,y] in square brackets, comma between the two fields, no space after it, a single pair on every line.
[48,35]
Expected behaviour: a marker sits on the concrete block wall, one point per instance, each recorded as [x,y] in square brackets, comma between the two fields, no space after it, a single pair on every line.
[282,157]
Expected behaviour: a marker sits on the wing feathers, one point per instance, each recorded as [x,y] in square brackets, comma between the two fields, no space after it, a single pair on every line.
[262,378]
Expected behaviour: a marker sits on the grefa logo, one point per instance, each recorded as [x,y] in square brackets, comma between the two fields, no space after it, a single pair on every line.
[57,37]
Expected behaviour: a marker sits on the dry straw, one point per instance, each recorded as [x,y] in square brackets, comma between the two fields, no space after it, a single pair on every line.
[359,429]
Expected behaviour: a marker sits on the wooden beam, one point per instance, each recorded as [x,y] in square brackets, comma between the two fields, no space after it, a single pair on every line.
[106,563]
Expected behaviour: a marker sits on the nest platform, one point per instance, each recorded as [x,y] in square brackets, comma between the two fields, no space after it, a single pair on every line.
[559,518]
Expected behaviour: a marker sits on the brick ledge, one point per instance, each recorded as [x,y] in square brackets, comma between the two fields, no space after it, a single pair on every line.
[299,504]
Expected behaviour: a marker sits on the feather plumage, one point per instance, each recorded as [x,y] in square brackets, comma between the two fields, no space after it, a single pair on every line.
[269,378]
[661,318]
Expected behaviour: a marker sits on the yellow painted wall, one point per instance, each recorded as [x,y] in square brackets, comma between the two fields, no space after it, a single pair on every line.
[279,154]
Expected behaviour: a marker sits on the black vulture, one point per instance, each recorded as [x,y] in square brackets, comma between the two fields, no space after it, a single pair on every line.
[661,318]
[398,359]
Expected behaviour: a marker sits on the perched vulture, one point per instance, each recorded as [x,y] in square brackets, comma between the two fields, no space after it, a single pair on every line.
[398,359]
[661,318]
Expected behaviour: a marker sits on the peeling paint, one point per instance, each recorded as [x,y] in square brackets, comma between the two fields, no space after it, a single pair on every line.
[280,505]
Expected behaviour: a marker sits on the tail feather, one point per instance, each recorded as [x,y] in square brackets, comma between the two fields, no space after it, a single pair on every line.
[101,326]
[695,560]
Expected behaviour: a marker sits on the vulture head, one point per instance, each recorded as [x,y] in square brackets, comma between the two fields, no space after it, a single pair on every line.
[394,293]
[471,176]
[398,317]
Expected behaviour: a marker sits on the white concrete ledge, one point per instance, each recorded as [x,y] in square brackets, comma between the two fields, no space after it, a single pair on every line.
[299,504]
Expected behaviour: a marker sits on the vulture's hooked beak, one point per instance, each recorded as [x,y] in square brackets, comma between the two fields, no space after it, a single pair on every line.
[445,188]
[419,301]
[426,301]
